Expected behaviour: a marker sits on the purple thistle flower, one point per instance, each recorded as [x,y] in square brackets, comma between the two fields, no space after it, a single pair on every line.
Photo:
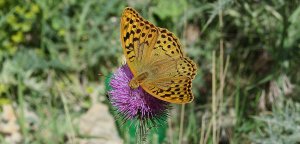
[134,103]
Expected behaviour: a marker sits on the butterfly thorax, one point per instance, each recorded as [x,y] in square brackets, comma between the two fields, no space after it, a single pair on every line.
[136,81]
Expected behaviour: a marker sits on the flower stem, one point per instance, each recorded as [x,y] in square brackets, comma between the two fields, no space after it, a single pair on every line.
[181,124]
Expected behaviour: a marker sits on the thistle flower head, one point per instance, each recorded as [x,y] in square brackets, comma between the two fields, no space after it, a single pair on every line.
[134,103]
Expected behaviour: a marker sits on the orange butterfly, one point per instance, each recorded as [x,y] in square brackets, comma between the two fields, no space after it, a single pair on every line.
[154,56]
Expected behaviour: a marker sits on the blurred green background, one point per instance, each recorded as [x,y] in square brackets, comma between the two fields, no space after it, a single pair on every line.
[51,53]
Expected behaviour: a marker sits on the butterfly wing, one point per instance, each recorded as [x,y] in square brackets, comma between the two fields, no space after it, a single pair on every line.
[173,90]
[170,72]
[138,36]
[171,80]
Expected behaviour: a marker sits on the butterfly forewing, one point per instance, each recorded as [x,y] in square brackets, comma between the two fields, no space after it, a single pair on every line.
[138,36]
[167,45]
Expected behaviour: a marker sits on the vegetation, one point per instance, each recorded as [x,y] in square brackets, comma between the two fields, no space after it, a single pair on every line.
[248,54]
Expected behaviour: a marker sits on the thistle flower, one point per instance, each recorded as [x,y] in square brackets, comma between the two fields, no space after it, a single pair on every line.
[134,103]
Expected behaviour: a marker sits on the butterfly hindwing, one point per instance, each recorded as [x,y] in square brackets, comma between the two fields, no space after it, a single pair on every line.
[173,90]
[170,80]
[186,67]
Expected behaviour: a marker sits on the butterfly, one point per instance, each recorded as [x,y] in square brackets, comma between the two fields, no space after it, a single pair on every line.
[155,57]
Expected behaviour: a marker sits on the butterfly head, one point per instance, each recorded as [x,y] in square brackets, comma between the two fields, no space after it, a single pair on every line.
[133,84]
